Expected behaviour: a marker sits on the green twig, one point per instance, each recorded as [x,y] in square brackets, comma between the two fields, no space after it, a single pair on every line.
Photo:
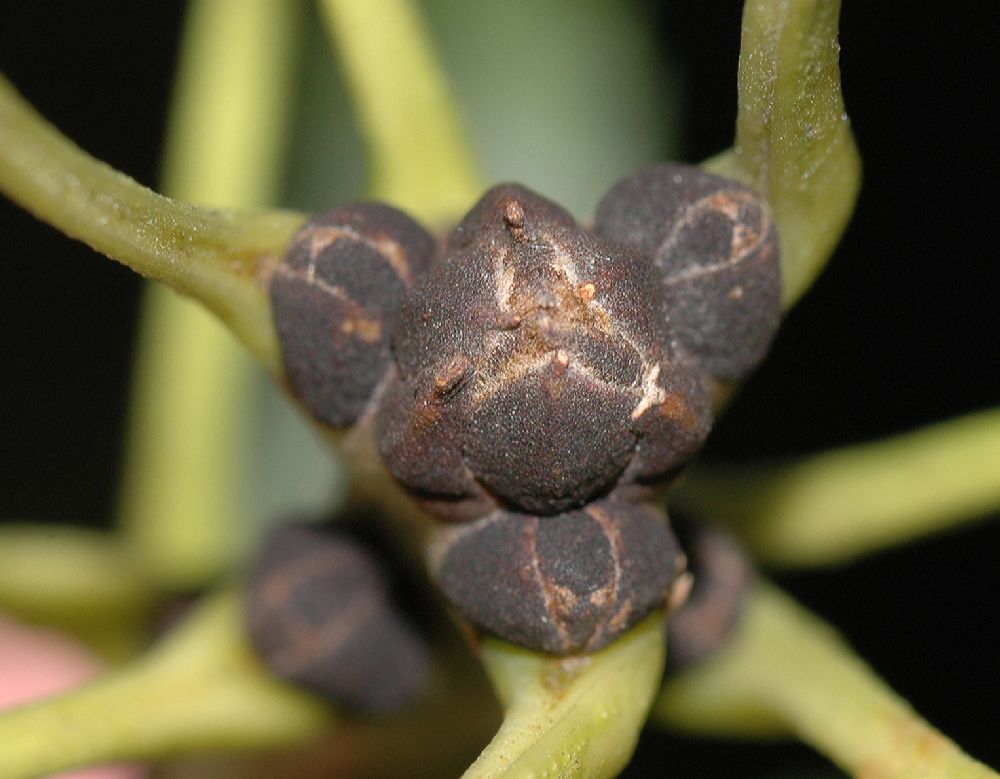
[201,690]
[79,580]
[214,256]
[419,155]
[186,472]
[787,673]
[573,717]
[793,137]
[831,507]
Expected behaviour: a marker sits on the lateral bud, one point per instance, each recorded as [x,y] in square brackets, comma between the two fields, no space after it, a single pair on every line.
[319,615]
[723,575]
[716,247]
[334,301]
[561,584]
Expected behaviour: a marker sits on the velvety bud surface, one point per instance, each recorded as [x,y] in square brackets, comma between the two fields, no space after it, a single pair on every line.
[534,368]
[567,583]
[334,302]
[716,248]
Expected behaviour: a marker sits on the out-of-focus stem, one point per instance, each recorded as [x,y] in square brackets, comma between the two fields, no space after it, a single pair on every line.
[420,159]
[187,456]
[217,257]
[793,137]
[80,581]
[788,673]
[202,689]
[571,717]
[837,505]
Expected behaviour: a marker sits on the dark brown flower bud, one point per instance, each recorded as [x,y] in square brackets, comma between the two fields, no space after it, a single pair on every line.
[318,614]
[334,302]
[567,583]
[534,367]
[723,575]
[715,245]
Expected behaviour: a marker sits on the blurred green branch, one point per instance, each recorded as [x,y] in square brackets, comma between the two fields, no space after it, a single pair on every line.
[202,689]
[787,673]
[80,581]
[419,155]
[831,507]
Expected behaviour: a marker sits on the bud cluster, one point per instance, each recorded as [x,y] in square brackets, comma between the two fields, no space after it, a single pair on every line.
[530,378]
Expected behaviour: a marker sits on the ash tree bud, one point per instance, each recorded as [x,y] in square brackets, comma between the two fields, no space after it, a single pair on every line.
[716,248]
[334,302]
[534,368]
[562,584]
[319,616]
[532,379]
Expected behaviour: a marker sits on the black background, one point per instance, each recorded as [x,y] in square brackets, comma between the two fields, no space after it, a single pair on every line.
[901,330]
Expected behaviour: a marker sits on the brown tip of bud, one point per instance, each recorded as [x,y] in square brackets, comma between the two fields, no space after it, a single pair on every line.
[513,214]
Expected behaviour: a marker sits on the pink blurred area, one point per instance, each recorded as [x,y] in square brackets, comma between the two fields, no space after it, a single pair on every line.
[35,663]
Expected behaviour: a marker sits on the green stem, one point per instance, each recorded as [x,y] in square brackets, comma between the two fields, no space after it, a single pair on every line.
[831,507]
[787,672]
[202,689]
[571,717]
[186,474]
[434,736]
[420,160]
[793,137]
[79,580]
[218,257]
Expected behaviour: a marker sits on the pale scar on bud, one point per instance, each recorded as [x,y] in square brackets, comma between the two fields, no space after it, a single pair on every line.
[563,263]
[368,330]
[395,255]
[321,238]
[744,237]
[513,217]
[504,280]
[451,376]
[727,203]
[513,214]
[676,407]
[652,393]
[681,589]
